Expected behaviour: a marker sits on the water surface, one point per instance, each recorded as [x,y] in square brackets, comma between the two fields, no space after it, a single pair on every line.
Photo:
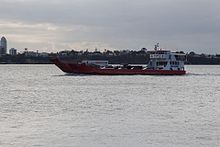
[42,106]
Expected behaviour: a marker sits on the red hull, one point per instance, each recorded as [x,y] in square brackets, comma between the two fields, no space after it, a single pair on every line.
[86,69]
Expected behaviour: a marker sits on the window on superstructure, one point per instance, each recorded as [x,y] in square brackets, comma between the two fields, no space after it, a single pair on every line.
[161,63]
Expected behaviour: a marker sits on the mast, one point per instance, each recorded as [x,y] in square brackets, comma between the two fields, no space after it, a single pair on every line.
[156,46]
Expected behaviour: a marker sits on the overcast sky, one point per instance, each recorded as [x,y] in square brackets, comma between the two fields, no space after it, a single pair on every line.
[112,24]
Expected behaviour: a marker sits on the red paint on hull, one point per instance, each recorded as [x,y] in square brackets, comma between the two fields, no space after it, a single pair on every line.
[86,69]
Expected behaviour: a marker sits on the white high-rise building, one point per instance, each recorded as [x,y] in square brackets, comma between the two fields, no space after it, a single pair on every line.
[13,51]
[3,46]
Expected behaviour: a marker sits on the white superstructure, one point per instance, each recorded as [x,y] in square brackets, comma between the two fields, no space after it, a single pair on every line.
[101,63]
[166,60]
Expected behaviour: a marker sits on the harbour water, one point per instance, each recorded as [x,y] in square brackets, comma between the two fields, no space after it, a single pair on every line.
[42,106]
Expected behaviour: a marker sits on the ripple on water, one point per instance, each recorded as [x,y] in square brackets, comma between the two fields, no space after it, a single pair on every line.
[41,106]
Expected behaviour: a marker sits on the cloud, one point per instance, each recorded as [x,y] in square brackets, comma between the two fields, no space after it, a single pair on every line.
[45,36]
[184,24]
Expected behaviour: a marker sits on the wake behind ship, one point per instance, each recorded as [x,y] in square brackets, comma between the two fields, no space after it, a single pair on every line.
[162,62]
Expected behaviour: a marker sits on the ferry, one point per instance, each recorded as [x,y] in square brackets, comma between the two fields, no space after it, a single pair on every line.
[162,62]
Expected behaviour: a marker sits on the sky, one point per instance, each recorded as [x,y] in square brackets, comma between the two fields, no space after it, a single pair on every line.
[55,25]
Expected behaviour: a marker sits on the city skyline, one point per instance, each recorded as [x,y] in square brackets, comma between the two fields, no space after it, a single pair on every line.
[72,24]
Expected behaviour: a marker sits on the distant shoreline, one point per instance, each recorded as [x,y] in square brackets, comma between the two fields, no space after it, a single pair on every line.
[114,57]
[52,64]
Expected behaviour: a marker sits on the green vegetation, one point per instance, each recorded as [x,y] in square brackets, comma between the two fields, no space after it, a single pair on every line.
[114,57]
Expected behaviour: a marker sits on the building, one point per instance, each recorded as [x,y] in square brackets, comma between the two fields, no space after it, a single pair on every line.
[3,46]
[13,51]
[31,54]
